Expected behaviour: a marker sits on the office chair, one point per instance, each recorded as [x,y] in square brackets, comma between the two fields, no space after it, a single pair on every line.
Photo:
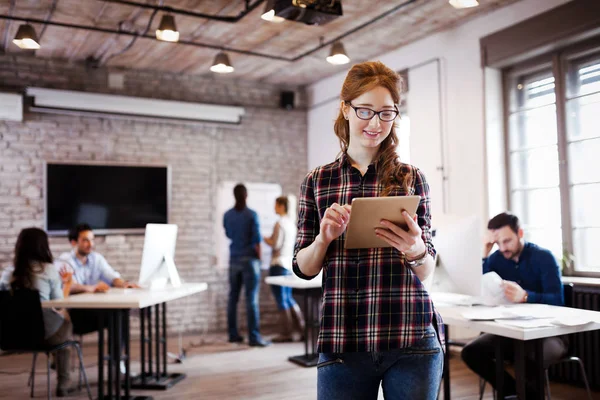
[22,331]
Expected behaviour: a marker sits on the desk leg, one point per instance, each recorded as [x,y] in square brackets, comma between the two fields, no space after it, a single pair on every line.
[447,365]
[126,338]
[143,344]
[118,338]
[308,322]
[520,368]
[540,374]
[111,355]
[153,378]
[308,359]
[149,339]
[157,340]
[499,368]
[101,356]
[109,366]
[535,369]
[164,339]
[116,359]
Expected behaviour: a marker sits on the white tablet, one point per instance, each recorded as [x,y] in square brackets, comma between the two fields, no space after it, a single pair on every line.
[367,213]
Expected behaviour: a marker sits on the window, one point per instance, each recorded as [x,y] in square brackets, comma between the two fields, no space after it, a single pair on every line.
[553,153]
[583,155]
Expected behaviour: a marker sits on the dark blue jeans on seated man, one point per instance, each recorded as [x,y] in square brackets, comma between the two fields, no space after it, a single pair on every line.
[244,271]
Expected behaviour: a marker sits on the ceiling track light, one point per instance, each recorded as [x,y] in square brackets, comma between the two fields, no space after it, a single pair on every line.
[338,55]
[463,3]
[269,13]
[271,17]
[167,30]
[26,38]
[221,64]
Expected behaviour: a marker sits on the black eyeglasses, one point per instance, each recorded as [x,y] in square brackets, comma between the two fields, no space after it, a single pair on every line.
[367,113]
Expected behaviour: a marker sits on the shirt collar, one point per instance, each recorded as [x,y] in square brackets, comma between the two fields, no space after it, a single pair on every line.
[525,252]
[344,161]
[77,260]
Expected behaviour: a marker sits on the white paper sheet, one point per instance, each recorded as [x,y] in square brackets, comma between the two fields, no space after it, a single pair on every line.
[492,290]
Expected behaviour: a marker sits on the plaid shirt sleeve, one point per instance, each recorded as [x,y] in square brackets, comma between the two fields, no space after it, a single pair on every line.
[308,222]
[424,209]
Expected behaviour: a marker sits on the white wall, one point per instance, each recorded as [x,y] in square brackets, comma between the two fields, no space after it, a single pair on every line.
[494,134]
[426,130]
[323,145]
[463,101]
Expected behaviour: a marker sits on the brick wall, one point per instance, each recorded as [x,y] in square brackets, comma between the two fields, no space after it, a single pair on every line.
[268,146]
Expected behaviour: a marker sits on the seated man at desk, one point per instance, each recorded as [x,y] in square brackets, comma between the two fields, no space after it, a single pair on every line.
[530,275]
[91,273]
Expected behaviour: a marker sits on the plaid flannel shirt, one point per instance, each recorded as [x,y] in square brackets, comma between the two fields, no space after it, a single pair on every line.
[371,300]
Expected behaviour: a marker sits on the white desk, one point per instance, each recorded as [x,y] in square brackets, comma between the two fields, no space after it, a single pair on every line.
[452,316]
[530,336]
[114,307]
[294,282]
[312,295]
[127,298]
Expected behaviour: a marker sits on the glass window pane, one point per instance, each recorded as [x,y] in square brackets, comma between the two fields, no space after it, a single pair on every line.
[584,76]
[537,208]
[583,117]
[533,128]
[534,168]
[550,239]
[585,246]
[532,90]
[584,161]
[585,206]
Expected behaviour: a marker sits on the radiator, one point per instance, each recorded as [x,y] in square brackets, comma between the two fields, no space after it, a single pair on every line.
[584,345]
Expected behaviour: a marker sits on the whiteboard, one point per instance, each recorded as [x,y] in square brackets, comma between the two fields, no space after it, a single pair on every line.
[261,198]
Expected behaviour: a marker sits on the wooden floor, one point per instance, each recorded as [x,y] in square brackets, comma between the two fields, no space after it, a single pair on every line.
[219,370]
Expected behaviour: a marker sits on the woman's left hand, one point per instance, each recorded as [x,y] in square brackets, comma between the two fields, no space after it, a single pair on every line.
[408,242]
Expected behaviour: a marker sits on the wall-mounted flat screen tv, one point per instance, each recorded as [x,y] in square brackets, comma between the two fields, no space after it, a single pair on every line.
[110,198]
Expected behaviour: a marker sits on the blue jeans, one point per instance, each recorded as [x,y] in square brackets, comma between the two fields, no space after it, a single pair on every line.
[282,294]
[411,373]
[244,271]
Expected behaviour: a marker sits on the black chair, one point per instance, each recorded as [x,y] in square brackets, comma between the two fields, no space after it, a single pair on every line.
[568,296]
[569,301]
[22,330]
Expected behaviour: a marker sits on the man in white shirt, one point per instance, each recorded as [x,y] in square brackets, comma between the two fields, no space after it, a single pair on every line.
[91,271]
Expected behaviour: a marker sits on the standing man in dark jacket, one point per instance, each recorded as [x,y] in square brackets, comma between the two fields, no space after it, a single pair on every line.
[242,227]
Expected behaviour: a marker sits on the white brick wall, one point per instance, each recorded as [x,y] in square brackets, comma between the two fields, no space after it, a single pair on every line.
[268,146]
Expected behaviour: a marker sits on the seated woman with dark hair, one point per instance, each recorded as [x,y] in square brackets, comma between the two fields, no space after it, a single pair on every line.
[33,269]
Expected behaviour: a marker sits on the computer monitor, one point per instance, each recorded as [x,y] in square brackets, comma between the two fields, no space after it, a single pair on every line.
[158,264]
[458,242]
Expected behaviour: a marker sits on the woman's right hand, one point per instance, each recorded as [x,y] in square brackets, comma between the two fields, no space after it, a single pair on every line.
[334,222]
[66,274]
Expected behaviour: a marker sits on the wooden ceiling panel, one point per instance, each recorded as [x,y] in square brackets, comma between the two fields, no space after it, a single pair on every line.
[288,39]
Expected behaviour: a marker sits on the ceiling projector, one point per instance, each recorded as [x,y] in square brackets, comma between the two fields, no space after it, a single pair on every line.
[311,12]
